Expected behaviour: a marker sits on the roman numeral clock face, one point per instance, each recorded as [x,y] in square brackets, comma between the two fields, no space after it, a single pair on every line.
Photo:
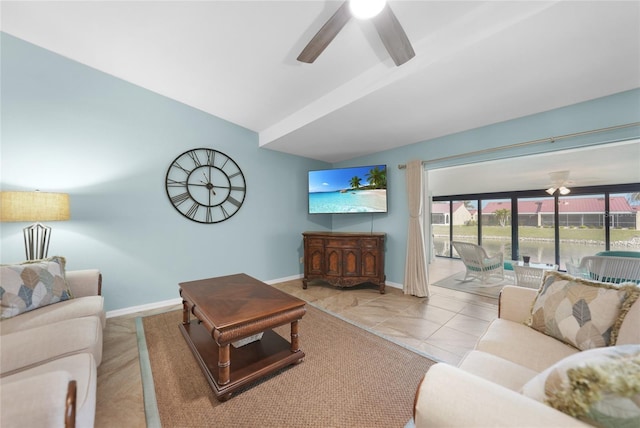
[205,185]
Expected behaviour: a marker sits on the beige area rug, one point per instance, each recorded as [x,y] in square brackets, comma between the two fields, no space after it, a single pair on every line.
[350,377]
[490,289]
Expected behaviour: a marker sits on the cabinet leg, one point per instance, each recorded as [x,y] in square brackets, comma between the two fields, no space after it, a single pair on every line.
[304,284]
[382,288]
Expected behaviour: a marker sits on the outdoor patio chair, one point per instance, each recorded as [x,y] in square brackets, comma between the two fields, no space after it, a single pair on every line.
[527,276]
[611,269]
[478,263]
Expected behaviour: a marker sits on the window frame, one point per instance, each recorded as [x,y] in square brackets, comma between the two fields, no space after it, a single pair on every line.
[606,190]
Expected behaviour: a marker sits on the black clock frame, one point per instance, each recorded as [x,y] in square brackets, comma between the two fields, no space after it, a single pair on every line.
[192,203]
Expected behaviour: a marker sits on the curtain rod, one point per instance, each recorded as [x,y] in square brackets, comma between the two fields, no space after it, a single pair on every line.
[526,143]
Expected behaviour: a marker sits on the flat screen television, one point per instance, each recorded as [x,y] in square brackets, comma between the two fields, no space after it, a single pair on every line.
[361,189]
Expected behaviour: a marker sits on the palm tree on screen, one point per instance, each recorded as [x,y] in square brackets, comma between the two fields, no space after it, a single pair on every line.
[355,182]
[377,178]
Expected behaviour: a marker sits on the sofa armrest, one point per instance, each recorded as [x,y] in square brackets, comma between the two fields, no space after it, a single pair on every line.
[84,282]
[515,303]
[46,400]
[450,397]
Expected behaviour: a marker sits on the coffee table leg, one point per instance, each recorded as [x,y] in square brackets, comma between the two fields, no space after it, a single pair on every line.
[295,344]
[185,313]
[223,364]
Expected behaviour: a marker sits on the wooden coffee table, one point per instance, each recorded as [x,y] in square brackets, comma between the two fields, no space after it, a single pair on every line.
[235,307]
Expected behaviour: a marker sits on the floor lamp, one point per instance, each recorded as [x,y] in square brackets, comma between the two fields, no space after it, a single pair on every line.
[34,206]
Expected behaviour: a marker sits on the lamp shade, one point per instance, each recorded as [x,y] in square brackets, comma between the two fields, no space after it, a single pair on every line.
[34,206]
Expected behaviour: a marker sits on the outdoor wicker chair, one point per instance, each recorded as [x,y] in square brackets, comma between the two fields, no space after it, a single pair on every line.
[611,269]
[528,276]
[478,263]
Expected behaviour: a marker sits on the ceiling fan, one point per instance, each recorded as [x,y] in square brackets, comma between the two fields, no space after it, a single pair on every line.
[559,179]
[389,29]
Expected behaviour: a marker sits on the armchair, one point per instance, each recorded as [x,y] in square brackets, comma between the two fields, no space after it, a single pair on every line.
[610,268]
[478,263]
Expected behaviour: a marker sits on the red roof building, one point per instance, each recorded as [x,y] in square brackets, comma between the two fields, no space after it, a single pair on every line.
[573,212]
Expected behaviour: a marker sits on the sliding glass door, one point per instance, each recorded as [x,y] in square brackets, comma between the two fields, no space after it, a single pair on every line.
[581,221]
[457,218]
[495,226]
[624,221]
[559,230]
[536,229]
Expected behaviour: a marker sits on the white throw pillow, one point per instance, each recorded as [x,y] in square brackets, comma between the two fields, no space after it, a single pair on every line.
[600,386]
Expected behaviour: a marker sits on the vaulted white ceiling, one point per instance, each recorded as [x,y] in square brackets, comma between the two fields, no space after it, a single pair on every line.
[476,63]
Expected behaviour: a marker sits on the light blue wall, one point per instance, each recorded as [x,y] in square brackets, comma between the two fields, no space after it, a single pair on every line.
[69,128]
[618,109]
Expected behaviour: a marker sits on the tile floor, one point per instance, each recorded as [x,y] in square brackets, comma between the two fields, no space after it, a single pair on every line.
[445,326]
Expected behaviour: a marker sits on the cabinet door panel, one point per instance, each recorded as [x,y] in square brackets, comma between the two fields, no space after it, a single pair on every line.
[351,262]
[370,263]
[315,261]
[334,262]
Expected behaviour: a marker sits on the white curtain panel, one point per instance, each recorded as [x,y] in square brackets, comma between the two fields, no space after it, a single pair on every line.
[416,276]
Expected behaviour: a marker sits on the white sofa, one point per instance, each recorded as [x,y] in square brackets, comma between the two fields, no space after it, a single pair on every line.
[49,358]
[485,389]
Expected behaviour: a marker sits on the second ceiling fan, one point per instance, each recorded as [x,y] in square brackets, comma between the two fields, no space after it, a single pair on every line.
[389,29]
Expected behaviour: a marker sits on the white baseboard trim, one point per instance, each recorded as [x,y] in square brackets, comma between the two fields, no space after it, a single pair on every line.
[393,284]
[178,300]
[285,279]
[146,307]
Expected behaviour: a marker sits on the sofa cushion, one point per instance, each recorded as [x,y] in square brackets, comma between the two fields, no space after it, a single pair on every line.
[497,370]
[25,349]
[600,386]
[522,345]
[582,313]
[30,285]
[69,309]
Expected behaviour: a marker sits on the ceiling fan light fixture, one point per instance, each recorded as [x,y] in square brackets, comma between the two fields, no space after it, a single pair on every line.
[564,191]
[365,9]
[551,190]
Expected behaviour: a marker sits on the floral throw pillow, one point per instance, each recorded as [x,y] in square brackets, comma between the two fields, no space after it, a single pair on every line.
[600,386]
[31,285]
[582,313]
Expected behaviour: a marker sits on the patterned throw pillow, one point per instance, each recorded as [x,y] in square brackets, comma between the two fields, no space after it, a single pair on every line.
[600,386]
[582,313]
[30,285]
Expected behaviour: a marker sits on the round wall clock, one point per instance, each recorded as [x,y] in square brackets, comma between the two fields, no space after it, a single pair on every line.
[205,185]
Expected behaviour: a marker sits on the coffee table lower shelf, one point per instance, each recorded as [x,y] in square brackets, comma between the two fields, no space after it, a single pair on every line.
[248,363]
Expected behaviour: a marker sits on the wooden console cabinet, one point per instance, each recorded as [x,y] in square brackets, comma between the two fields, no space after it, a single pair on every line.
[344,259]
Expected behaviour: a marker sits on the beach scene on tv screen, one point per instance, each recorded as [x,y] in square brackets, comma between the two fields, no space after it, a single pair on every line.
[348,190]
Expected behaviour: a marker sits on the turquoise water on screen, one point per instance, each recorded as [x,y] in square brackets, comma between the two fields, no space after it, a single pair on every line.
[352,201]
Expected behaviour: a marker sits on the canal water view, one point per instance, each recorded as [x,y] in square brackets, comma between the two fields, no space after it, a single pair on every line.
[539,251]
